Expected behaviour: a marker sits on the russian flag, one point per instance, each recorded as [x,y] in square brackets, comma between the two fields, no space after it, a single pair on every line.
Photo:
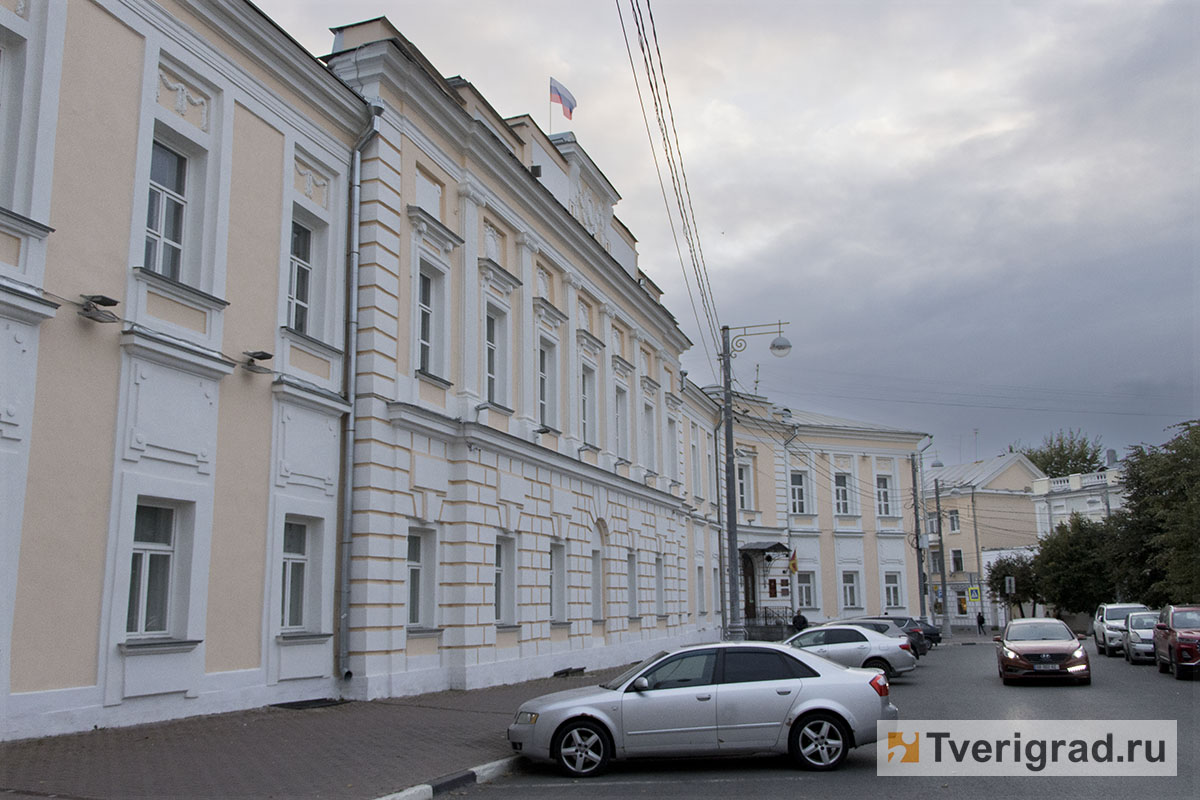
[560,95]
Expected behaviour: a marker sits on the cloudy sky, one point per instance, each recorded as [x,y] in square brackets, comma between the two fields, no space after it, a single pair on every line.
[981,219]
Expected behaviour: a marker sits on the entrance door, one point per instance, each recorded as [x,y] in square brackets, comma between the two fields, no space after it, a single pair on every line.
[749,587]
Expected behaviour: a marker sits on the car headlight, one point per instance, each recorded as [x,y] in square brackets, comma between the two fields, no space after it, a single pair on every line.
[1133,637]
[1078,653]
[1009,653]
[1113,628]
[526,717]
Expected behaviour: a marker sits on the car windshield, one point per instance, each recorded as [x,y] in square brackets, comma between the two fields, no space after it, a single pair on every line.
[1051,630]
[1141,621]
[1120,612]
[1187,619]
[616,682]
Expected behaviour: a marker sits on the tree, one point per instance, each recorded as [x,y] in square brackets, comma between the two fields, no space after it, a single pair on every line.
[1162,505]
[1072,565]
[1020,567]
[1063,453]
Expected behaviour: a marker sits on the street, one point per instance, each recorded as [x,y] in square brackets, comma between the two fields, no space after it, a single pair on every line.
[952,682]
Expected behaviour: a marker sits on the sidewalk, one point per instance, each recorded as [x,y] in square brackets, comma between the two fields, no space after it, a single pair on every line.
[356,750]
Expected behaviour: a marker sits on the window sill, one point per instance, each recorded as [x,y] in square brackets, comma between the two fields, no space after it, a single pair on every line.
[489,406]
[312,341]
[550,430]
[434,379]
[588,448]
[599,622]
[183,292]
[424,633]
[302,637]
[505,627]
[559,624]
[147,647]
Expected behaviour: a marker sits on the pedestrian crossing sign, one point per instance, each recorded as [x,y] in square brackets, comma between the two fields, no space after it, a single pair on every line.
[973,594]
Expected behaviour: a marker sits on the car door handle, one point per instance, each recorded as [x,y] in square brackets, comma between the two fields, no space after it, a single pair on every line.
[703,697]
[784,692]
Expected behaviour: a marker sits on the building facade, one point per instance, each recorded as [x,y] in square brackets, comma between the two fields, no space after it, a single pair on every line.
[324,379]
[1093,495]
[985,505]
[169,517]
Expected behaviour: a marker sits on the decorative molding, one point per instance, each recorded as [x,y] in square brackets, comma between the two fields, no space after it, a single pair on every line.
[497,277]
[674,401]
[472,192]
[492,239]
[622,367]
[547,314]
[589,344]
[311,181]
[530,242]
[183,97]
[432,230]
[649,385]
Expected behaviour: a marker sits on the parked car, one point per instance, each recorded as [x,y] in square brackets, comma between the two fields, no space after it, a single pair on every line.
[914,628]
[931,632]
[1041,647]
[887,628]
[1108,625]
[1137,642]
[1177,640]
[715,699]
[855,646]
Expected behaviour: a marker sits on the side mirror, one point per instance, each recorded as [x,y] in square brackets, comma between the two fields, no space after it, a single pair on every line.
[1160,626]
[640,684]
[1081,636]
[997,638]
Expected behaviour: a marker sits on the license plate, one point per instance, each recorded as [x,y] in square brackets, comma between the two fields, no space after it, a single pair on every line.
[1045,666]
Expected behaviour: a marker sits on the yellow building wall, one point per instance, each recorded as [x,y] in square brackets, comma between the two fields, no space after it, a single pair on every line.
[69,490]
[243,468]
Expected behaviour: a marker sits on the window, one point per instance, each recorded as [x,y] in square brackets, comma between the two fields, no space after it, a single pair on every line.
[672,455]
[632,583]
[956,560]
[300,283]
[166,212]
[804,589]
[506,584]
[697,464]
[891,589]
[425,322]
[960,598]
[295,569]
[701,607]
[420,579]
[798,488]
[935,558]
[597,585]
[558,582]
[954,524]
[547,398]
[841,493]
[494,368]
[660,587]
[12,87]
[686,670]
[151,571]
[931,524]
[587,412]
[621,422]
[850,590]
[649,452]
[745,488]
[712,473]
[746,666]
[844,636]
[883,495]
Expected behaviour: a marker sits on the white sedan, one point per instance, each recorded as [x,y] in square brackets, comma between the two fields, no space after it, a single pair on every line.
[716,699]
[854,646]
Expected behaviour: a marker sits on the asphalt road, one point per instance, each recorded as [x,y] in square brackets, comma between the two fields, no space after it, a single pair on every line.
[953,682]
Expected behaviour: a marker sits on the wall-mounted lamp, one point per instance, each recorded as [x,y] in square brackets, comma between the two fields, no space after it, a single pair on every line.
[257,355]
[542,430]
[95,307]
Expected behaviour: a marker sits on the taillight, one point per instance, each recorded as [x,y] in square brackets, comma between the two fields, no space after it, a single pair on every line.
[905,646]
[880,685]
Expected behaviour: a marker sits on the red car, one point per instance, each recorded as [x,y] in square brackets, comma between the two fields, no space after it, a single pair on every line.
[1041,647]
[1177,640]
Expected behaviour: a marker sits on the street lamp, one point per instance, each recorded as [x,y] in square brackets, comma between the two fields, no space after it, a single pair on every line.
[780,347]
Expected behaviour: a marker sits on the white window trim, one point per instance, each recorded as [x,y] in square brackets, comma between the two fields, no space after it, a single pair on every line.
[621,407]
[660,586]
[956,556]
[955,521]
[599,584]
[632,584]
[850,508]
[439,311]
[558,582]
[804,492]
[502,369]
[891,507]
[426,616]
[505,588]
[806,591]
[898,586]
[851,590]
[547,390]
[744,477]
[589,419]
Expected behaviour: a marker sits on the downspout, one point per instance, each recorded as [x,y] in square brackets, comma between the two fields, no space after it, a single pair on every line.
[350,371]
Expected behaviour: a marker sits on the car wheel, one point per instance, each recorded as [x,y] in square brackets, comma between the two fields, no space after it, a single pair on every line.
[1162,666]
[1178,670]
[819,741]
[1128,658]
[581,749]
[1099,646]
[879,663]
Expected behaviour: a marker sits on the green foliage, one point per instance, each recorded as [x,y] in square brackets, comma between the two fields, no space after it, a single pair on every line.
[1064,453]
[1162,513]
[1020,567]
[1072,565]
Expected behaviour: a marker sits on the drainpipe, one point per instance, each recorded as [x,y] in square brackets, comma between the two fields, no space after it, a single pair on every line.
[349,380]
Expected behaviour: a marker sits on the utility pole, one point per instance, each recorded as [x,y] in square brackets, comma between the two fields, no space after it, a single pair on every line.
[917,533]
[937,499]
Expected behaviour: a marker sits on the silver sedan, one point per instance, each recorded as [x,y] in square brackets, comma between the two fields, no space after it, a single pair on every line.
[855,646]
[1137,640]
[717,699]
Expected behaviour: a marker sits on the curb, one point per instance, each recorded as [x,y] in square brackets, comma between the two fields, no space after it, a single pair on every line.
[485,773]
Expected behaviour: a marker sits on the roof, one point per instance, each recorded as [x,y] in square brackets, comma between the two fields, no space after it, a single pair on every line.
[977,473]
